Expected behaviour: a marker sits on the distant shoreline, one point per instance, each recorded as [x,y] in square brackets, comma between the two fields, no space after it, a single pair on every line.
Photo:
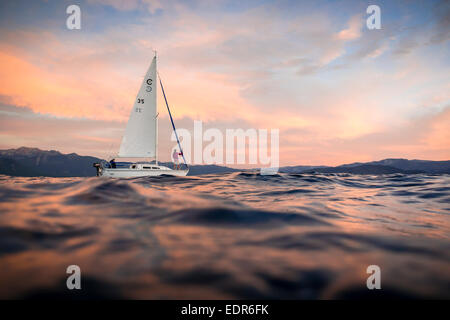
[34,162]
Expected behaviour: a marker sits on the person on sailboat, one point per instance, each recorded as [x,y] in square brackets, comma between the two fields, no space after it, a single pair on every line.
[113,163]
[176,159]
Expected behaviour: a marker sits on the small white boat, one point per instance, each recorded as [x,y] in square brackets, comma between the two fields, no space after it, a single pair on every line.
[141,137]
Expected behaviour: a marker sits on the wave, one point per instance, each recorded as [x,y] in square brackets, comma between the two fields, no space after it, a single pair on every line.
[231,235]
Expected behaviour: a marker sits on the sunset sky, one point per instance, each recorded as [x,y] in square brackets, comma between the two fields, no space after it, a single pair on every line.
[337,91]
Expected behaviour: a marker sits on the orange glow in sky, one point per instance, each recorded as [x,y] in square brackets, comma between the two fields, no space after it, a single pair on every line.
[337,91]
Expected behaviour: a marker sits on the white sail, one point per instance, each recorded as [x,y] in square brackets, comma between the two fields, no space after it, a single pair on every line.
[140,136]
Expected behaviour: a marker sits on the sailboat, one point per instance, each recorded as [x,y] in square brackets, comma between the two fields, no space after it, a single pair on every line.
[140,140]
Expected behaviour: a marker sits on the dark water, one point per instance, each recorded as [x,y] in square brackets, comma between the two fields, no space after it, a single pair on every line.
[236,235]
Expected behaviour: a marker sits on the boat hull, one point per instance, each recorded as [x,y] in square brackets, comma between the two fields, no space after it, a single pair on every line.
[134,173]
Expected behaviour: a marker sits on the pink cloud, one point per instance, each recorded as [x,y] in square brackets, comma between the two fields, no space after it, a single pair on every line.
[353,31]
[255,67]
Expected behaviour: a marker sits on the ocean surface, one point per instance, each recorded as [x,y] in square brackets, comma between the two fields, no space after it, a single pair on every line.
[234,235]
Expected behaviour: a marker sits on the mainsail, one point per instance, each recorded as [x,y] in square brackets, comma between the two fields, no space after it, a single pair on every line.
[140,136]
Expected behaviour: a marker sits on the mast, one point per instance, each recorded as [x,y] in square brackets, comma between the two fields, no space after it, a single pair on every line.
[156,135]
[156,117]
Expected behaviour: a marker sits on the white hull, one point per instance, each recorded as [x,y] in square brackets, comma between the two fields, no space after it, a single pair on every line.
[134,173]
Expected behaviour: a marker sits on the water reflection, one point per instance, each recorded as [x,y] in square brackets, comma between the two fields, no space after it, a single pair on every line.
[239,235]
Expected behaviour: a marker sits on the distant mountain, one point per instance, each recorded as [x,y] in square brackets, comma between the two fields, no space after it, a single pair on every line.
[364,169]
[32,162]
[298,169]
[379,167]
[411,165]
[195,170]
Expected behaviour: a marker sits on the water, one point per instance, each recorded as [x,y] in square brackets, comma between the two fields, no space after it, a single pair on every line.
[236,235]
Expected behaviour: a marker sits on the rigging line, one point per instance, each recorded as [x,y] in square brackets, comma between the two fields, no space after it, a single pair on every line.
[171,120]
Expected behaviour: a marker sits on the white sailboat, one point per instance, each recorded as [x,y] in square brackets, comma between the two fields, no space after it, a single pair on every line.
[140,142]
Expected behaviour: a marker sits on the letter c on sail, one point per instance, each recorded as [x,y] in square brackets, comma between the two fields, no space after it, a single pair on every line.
[149,88]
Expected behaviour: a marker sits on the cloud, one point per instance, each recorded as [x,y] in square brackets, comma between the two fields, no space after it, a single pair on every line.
[353,31]
[441,26]
[318,75]
[71,75]
[425,137]
[22,127]
[405,46]
[129,5]
[117,4]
